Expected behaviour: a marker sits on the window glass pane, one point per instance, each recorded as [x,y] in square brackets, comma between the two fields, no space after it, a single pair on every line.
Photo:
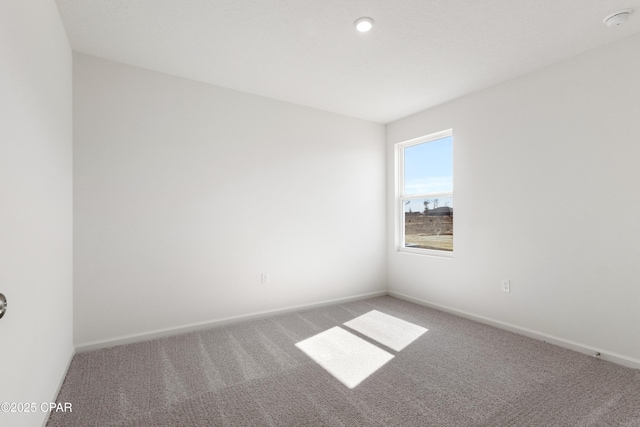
[428,223]
[428,167]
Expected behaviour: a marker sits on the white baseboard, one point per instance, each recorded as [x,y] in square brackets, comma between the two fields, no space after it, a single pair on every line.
[561,342]
[63,375]
[161,333]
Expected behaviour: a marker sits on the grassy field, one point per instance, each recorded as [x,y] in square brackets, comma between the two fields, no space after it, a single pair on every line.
[429,232]
[442,242]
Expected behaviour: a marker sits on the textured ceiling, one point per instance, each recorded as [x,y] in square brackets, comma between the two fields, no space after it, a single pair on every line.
[419,54]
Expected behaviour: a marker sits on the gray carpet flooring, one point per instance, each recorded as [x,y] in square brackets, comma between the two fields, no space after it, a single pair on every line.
[458,373]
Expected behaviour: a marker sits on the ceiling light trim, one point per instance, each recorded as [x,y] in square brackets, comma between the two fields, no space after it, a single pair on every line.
[364,24]
[617,18]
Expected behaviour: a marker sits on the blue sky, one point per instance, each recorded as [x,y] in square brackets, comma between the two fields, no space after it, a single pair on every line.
[428,168]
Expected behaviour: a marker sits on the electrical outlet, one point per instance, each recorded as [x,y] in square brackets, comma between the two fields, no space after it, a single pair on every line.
[264,278]
[506,285]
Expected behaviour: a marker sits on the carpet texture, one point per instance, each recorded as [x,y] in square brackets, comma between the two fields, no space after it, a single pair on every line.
[458,373]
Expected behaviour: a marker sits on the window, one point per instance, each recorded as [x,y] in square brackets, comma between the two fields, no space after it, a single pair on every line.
[425,194]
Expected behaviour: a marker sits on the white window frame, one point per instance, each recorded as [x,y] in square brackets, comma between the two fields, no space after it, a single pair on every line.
[401,198]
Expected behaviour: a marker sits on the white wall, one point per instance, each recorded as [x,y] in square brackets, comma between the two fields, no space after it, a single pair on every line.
[546,171]
[186,192]
[35,205]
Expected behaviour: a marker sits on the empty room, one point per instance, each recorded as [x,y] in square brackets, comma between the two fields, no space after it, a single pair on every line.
[241,213]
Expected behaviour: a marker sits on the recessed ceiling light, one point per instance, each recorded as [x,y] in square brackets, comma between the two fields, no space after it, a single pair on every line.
[363,24]
[617,18]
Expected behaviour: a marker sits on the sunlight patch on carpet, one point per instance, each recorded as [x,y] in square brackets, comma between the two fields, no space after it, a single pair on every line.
[387,330]
[348,358]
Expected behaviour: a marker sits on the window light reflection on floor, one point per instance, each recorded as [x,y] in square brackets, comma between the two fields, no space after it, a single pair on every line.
[351,359]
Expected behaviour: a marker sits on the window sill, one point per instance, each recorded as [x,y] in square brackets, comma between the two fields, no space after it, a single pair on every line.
[427,252]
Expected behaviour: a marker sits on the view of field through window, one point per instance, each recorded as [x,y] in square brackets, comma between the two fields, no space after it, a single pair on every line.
[428,195]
